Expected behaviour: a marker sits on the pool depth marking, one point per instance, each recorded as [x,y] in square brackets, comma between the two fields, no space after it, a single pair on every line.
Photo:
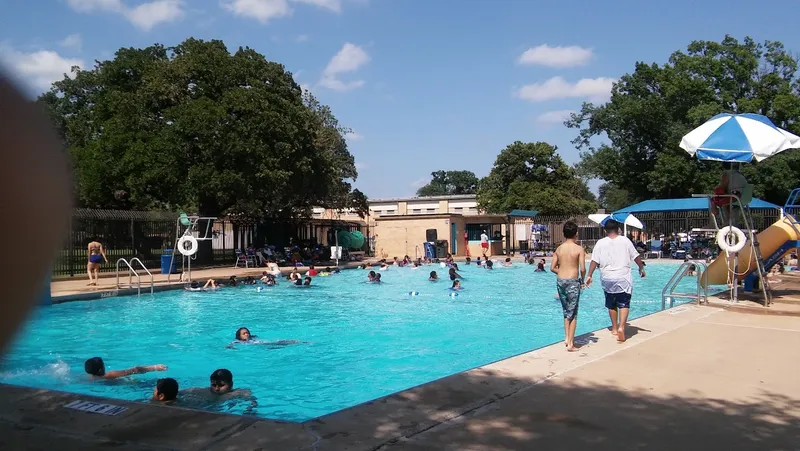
[96,407]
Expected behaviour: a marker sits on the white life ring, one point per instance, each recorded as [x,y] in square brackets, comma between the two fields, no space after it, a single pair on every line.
[191,250]
[722,239]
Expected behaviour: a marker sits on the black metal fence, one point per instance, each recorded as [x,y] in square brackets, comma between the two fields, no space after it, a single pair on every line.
[147,234]
[656,224]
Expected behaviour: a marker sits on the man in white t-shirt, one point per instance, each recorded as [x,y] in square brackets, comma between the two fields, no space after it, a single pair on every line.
[613,255]
[485,244]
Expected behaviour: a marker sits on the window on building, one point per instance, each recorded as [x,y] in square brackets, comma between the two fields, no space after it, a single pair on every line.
[377,212]
[391,212]
[473,209]
[458,209]
[474,231]
[416,210]
[430,210]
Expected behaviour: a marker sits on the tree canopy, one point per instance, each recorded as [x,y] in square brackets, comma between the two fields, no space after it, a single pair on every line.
[532,176]
[199,128]
[653,107]
[450,182]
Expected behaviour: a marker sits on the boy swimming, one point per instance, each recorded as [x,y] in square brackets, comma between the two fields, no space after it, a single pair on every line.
[96,368]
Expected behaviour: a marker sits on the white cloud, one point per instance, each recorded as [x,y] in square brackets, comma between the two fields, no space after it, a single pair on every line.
[148,15]
[260,10]
[353,136]
[40,68]
[302,38]
[554,117]
[72,42]
[558,56]
[266,10]
[88,6]
[360,166]
[332,5]
[594,89]
[419,183]
[348,59]
[144,16]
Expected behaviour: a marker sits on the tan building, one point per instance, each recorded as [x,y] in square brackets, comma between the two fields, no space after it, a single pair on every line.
[400,226]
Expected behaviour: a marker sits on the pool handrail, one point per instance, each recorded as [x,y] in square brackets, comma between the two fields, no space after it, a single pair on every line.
[701,296]
[132,271]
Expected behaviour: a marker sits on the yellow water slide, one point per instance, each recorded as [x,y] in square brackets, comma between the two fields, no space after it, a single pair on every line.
[770,240]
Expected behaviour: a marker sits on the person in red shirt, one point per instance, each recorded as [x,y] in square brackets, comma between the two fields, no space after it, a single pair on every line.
[311,271]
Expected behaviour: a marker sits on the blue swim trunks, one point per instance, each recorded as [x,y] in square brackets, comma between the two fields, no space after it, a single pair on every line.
[569,292]
[618,300]
[95,258]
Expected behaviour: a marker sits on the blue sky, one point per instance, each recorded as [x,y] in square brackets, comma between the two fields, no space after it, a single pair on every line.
[425,85]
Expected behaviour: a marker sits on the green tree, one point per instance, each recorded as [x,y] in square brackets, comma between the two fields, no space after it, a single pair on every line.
[612,198]
[195,127]
[653,107]
[450,182]
[532,176]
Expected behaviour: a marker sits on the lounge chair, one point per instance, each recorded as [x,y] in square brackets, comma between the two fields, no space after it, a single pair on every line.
[655,249]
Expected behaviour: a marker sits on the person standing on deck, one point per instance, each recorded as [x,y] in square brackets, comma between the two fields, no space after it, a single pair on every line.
[569,263]
[97,254]
[485,244]
[613,255]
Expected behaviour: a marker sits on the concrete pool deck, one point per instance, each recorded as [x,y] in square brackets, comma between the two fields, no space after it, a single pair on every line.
[690,377]
[76,287]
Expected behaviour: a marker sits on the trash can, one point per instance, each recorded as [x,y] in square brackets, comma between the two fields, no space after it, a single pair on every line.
[166,257]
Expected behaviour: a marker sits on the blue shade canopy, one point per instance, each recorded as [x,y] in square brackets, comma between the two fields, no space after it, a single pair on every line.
[688,204]
[738,138]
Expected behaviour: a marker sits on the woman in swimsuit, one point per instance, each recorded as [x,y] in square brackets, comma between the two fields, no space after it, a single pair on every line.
[96,255]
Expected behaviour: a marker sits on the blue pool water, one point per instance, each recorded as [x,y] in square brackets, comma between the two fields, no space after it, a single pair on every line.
[363,341]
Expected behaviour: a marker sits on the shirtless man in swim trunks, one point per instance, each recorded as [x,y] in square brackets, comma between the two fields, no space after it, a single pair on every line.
[97,254]
[568,261]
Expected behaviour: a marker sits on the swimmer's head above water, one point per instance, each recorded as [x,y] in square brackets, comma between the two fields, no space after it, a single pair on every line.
[221,381]
[243,334]
[95,366]
[166,389]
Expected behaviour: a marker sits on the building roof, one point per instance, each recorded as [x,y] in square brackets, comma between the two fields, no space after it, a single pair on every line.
[523,213]
[687,204]
[428,198]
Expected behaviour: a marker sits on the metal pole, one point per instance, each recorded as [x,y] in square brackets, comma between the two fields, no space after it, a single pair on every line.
[336,253]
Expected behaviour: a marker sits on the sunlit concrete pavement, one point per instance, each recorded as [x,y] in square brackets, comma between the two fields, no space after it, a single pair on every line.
[727,381]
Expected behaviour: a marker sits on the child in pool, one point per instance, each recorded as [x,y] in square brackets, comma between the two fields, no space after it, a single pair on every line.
[456,285]
[96,369]
[371,276]
[166,390]
[221,389]
[434,277]
[243,336]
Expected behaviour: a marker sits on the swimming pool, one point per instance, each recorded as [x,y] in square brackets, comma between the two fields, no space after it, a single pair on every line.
[364,341]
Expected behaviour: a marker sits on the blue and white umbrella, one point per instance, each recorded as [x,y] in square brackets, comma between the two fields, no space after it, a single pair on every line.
[738,138]
[626,219]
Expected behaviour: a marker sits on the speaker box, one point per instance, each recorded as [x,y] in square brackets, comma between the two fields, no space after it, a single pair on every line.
[431,235]
[441,248]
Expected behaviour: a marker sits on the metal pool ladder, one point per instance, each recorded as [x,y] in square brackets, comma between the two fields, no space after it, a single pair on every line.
[132,272]
[668,294]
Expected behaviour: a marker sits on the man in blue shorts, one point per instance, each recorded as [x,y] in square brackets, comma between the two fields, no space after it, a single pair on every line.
[613,255]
